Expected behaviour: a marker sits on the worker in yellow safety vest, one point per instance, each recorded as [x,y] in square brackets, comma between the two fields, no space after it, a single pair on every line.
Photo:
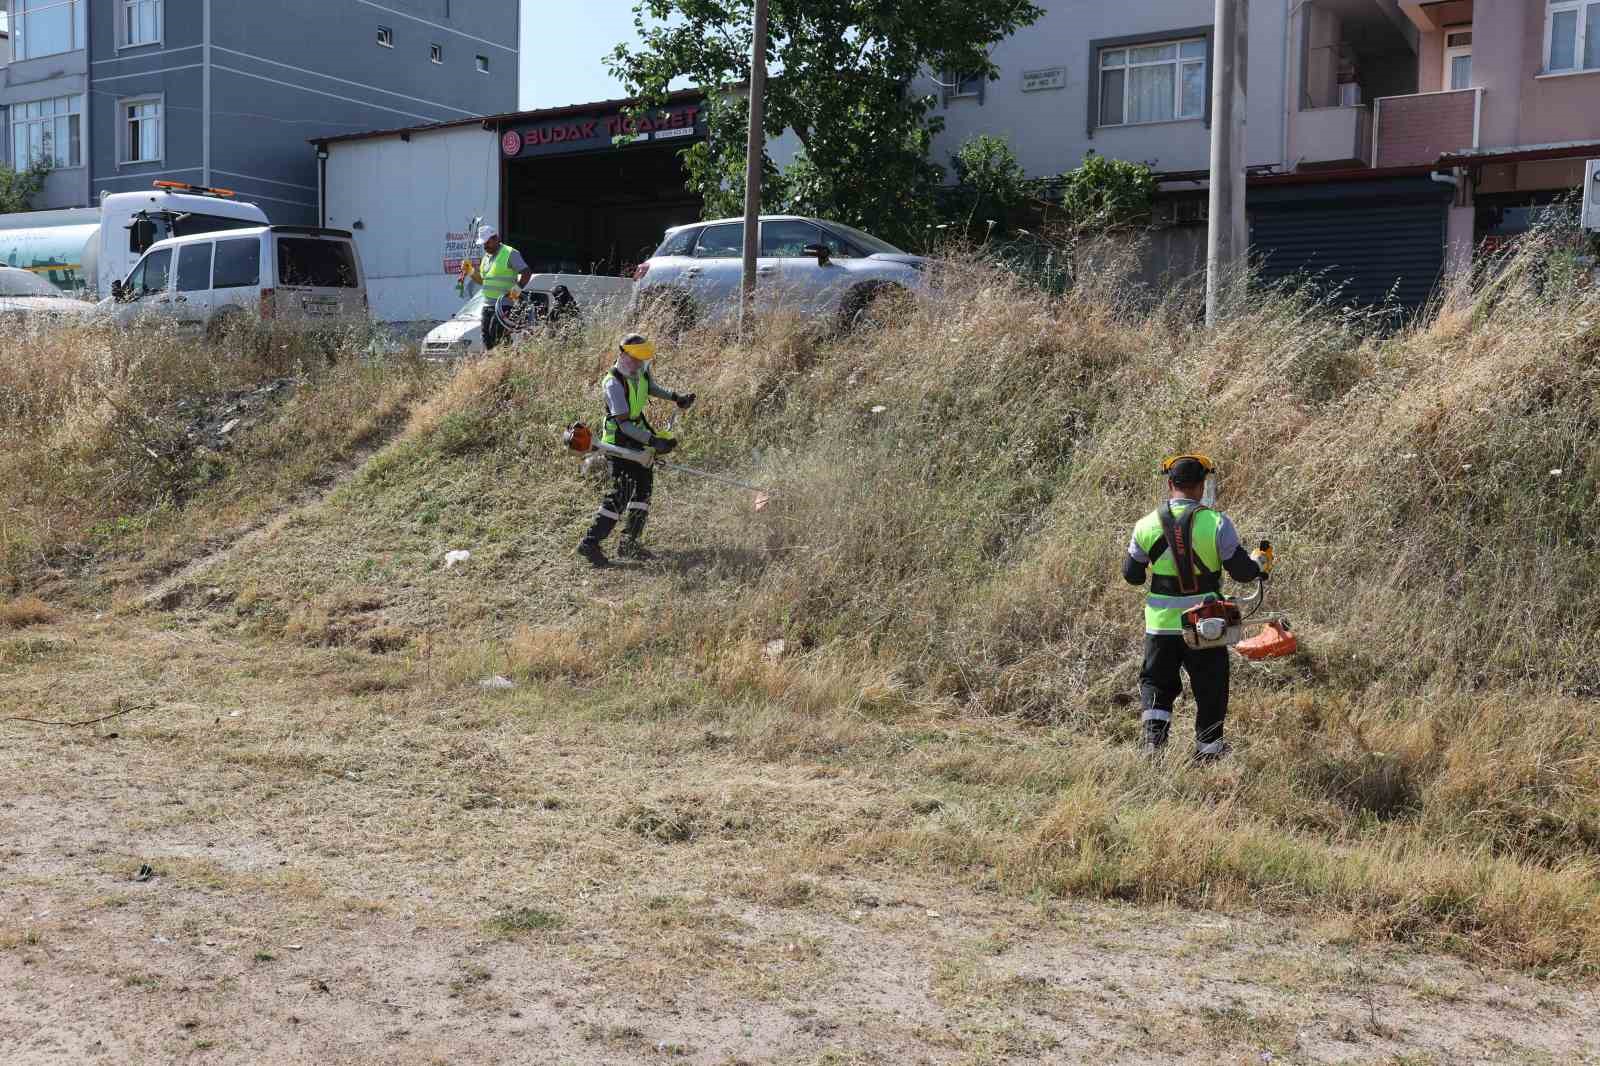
[626,391]
[1184,545]
[502,273]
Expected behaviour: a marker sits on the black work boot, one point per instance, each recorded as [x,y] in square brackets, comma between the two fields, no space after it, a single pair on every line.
[1154,736]
[630,548]
[590,550]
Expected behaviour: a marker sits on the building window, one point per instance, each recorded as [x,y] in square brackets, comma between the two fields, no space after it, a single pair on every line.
[47,27]
[385,37]
[141,23]
[1458,59]
[1158,82]
[141,131]
[968,85]
[1572,35]
[48,131]
[483,64]
[436,53]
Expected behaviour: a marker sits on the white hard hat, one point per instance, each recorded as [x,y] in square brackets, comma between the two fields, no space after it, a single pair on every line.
[486,232]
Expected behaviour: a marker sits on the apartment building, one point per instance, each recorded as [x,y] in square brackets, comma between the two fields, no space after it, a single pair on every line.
[1129,80]
[117,93]
[1386,138]
[1499,100]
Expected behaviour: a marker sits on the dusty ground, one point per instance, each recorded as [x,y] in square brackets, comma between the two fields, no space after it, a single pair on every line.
[361,858]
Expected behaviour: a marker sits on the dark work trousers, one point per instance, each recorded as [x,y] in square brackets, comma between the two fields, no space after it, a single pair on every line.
[1160,686]
[492,331]
[631,486]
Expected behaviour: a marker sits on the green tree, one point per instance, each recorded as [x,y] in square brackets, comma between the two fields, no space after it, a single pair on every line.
[19,187]
[842,71]
[1106,193]
[990,187]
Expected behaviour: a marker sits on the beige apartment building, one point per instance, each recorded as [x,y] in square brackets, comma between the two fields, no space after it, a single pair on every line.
[1500,99]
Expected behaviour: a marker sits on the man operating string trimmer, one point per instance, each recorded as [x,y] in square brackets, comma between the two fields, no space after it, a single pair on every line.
[1184,545]
[627,389]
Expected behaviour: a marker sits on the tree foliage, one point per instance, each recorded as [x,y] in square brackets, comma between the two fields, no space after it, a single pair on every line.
[992,193]
[19,187]
[1105,193]
[841,77]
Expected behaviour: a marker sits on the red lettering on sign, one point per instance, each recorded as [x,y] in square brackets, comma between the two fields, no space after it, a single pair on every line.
[588,130]
[559,133]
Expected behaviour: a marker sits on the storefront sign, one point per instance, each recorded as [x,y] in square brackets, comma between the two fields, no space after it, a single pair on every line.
[593,133]
[1049,78]
[458,246]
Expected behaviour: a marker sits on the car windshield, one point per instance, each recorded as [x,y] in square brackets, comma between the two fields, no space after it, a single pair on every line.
[867,241]
[22,283]
[472,310]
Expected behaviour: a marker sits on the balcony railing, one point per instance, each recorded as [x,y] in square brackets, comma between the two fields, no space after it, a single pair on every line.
[1416,130]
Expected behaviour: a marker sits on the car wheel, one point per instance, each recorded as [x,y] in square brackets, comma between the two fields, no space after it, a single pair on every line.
[865,306]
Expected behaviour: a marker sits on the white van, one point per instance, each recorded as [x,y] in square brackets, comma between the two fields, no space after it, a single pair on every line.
[295,274]
[463,333]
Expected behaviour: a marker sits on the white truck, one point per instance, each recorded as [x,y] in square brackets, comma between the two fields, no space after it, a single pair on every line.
[83,250]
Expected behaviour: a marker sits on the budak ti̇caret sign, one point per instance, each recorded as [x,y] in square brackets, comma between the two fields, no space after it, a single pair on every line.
[679,123]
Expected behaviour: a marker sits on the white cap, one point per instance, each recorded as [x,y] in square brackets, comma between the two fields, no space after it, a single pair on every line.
[485,232]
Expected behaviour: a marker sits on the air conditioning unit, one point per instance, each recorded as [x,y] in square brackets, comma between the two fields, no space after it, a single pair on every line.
[1591,196]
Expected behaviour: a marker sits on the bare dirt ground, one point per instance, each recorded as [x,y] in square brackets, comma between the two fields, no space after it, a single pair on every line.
[358,858]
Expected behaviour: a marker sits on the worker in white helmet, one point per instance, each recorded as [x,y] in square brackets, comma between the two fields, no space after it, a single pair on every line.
[502,272]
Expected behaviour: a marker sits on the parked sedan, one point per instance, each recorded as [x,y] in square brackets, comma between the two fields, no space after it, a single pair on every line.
[818,268]
[25,297]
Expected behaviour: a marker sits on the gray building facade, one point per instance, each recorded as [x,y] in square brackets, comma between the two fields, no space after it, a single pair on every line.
[229,93]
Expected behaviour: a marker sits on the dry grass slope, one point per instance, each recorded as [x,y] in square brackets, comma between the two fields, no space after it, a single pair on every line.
[953,491]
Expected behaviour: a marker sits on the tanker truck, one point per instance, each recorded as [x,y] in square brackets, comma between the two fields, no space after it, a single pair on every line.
[81,251]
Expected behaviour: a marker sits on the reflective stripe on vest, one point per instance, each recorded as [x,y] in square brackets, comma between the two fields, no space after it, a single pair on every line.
[498,277]
[638,399]
[1163,611]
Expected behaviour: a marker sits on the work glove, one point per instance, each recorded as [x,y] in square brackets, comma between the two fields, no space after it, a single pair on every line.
[1264,559]
[662,445]
[684,400]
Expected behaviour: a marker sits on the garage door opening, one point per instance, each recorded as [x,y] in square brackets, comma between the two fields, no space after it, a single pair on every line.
[598,212]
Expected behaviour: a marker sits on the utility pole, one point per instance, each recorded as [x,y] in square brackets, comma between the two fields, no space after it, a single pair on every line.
[755,152]
[1228,238]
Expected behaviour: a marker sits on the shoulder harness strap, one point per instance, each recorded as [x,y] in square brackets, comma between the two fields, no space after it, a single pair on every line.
[1179,536]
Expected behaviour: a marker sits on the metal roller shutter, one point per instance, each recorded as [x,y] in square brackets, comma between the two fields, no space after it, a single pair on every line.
[1380,240]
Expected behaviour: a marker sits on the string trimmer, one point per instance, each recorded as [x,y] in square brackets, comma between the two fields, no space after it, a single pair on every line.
[1223,623]
[579,438]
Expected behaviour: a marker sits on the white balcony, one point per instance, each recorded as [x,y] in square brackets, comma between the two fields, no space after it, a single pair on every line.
[1331,137]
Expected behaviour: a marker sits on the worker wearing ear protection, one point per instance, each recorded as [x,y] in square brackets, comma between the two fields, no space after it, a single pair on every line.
[1184,546]
[627,389]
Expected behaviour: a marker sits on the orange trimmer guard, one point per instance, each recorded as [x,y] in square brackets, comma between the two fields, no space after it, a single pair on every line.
[1275,641]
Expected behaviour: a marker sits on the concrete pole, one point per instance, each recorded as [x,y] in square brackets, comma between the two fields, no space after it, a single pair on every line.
[1228,239]
[755,151]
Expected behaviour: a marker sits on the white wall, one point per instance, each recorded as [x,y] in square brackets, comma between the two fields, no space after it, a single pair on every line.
[1049,129]
[407,196]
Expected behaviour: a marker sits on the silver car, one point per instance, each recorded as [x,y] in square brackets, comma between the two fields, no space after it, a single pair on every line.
[25,297]
[818,268]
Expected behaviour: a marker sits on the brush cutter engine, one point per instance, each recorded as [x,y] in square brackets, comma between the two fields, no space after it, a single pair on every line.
[1225,622]
[1213,624]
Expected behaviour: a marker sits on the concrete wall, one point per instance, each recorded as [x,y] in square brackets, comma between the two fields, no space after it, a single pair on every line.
[277,75]
[65,74]
[1049,129]
[397,190]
